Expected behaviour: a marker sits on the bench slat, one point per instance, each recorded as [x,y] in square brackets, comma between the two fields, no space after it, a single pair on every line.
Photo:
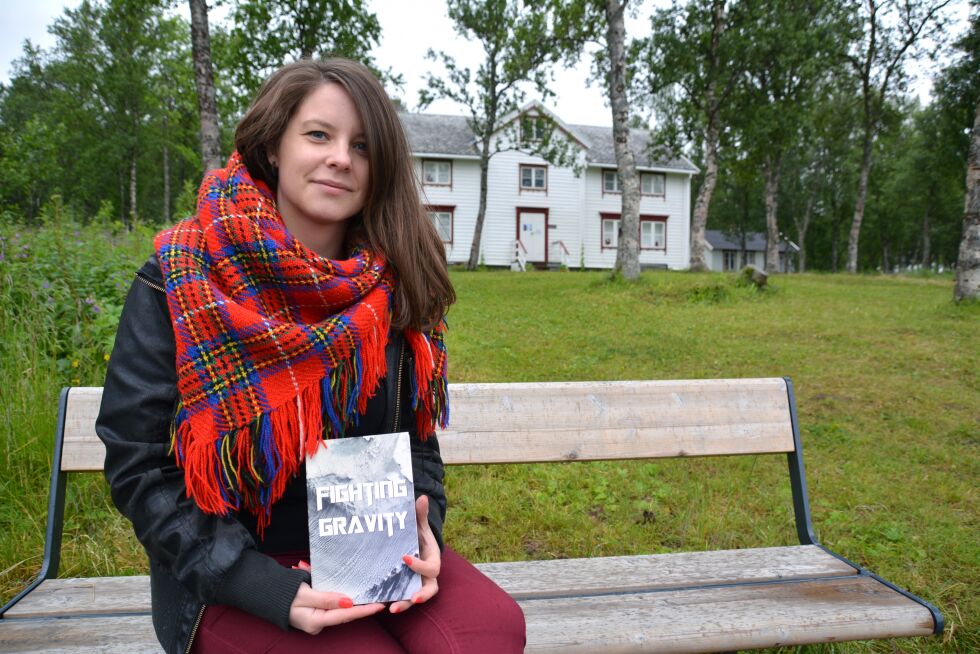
[724,619]
[117,635]
[678,621]
[500,423]
[531,579]
[522,579]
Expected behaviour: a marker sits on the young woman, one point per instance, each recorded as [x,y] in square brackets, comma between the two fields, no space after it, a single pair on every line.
[304,300]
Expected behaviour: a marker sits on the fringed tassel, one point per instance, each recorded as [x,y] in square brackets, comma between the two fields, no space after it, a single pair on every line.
[249,467]
[430,395]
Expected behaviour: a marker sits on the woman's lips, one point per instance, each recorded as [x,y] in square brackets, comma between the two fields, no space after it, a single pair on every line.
[333,188]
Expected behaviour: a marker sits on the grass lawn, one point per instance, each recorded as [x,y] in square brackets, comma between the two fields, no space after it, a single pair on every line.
[887,376]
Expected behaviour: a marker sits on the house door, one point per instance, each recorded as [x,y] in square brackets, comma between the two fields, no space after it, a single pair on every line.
[532,230]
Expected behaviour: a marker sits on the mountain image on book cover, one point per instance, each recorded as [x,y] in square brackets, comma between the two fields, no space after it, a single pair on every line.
[362,518]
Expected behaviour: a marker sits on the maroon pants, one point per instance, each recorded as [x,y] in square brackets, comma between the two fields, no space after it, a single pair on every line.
[469,615]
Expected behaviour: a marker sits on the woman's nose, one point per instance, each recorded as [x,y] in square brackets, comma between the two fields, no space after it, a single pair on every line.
[338,156]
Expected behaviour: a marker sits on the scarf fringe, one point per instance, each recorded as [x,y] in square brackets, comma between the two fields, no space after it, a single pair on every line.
[249,467]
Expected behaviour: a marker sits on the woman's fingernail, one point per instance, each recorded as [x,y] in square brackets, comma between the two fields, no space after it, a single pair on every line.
[395,609]
[407,559]
[417,599]
[345,603]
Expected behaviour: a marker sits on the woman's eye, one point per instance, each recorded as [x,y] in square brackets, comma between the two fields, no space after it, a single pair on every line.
[317,134]
[361,147]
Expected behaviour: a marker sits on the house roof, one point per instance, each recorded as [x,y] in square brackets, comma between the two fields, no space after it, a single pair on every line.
[754,241]
[602,152]
[451,136]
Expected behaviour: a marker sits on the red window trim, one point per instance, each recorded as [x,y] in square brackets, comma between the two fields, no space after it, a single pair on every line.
[526,189]
[451,210]
[448,161]
[643,218]
[602,183]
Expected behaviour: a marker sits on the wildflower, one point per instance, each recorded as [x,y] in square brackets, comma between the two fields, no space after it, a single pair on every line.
[74,363]
[105,357]
[45,285]
[75,381]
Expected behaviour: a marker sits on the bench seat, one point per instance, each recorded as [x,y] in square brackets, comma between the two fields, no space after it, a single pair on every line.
[720,600]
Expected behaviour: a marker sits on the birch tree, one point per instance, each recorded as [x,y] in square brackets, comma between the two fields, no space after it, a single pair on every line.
[892,33]
[628,244]
[693,64]
[518,46]
[207,106]
[793,45]
[968,261]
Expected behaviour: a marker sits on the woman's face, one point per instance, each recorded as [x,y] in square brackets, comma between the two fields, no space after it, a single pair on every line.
[323,165]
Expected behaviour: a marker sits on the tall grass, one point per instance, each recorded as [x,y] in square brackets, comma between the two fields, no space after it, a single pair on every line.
[887,374]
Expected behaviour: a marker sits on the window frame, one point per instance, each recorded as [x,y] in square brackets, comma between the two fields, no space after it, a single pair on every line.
[602,182]
[536,124]
[531,189]
[663,176]
[605,216]
[443,208]
[448,184]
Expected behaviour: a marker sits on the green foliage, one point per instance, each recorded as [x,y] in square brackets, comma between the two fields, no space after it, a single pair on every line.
[267,35]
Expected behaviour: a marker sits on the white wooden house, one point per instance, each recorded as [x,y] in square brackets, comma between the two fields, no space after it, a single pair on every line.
[542,213]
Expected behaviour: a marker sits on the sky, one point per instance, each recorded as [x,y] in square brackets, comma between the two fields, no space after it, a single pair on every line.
[408,31]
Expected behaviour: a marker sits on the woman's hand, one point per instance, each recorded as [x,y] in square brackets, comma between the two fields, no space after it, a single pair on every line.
[313,610]
[428,562]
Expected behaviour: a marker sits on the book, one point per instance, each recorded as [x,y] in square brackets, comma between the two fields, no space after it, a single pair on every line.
[362,518]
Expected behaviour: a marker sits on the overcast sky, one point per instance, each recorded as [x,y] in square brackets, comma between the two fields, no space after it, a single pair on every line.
[409,29]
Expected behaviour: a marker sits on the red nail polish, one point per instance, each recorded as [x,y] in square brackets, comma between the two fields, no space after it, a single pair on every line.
[417,599]
[407,559]
[395,609]
[345,603]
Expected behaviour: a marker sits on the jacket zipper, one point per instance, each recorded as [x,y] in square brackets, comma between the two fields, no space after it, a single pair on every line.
[150,284]
[197,623]
[398,388]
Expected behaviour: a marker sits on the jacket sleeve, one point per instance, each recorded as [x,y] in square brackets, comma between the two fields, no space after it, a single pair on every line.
[427,467]
[213,557]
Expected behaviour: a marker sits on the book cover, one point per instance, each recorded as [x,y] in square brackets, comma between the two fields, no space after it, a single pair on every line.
[362,518]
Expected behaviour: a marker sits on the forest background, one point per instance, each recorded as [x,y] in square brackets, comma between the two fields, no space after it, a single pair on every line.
[105,122]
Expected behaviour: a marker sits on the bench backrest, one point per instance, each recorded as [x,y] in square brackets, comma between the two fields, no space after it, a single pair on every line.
[562,421]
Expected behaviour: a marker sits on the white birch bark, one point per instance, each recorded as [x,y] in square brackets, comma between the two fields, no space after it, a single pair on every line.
[204,78]
[968,262]
[628,247]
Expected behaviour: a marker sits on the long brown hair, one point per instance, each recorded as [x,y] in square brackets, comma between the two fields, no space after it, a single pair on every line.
[393,220]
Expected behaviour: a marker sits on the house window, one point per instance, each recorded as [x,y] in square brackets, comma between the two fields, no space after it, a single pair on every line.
[653,183]
[610,232]
[653,234]
[534,178]
[610,181]
[437,172]
[442,218]
[532,129]
[730,261]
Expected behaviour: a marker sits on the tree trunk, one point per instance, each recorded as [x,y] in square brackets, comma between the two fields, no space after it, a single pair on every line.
[628,246]
[968,263]
[801,229]
[862,194]
[481,213]
[699,221]
[132,190]
[772,171]
[926,240]
[204,77]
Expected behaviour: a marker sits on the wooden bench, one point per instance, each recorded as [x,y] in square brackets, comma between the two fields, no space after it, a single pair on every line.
[685,602]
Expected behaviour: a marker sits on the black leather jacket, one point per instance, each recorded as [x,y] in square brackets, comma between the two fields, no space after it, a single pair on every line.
[195,558]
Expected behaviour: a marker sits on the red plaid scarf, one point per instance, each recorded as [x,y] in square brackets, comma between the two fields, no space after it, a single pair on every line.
[277,347]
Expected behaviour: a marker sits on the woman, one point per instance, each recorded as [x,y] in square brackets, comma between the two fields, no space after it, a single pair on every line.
[304,300]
